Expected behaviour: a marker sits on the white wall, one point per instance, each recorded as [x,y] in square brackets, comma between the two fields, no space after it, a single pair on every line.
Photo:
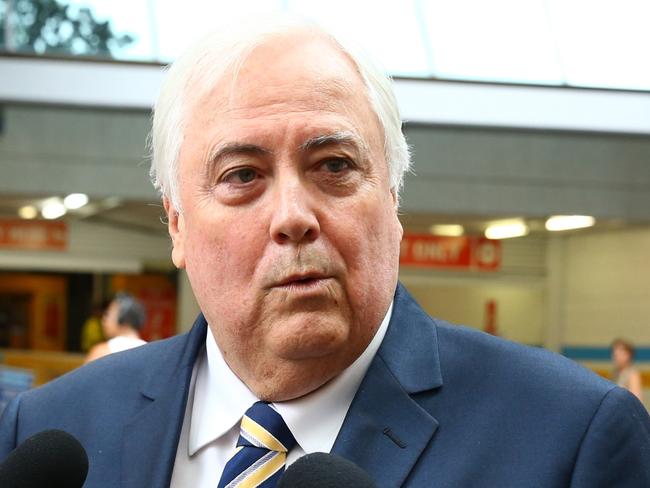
[520,308]
[607,287]
[604,283]
[518,289]
[574,290]
[50,151]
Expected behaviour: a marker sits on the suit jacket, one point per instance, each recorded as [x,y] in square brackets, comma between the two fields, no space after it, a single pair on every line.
[440,406]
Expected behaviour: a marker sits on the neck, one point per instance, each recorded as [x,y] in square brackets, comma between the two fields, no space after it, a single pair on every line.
[128,332]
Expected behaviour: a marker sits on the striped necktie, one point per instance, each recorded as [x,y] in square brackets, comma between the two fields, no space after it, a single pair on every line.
[262,447]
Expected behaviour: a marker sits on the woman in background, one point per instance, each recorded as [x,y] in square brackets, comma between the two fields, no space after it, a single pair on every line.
[625,374]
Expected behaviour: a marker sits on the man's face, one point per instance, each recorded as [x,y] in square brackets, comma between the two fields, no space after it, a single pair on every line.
[289,230]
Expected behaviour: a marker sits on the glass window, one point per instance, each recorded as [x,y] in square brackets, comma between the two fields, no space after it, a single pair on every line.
[180,23]
[595,43]
[604,43]
[499,40]
[71,27]
[126,18]
[389,30]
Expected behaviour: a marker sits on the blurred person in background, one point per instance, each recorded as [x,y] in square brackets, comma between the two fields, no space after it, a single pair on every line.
[91,331]
[121,324]
[625,374]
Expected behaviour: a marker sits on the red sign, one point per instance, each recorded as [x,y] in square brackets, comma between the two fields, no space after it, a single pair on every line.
[38,235]
[465,253]
[160,306]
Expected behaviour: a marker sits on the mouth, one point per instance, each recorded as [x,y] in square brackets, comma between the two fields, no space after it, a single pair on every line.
[302,281]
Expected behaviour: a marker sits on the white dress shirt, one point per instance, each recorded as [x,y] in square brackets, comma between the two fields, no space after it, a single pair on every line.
[218,399]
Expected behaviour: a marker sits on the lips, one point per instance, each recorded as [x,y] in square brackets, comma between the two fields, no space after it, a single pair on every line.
[299,279]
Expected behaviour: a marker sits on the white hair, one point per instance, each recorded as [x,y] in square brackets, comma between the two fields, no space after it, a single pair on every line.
[199,68]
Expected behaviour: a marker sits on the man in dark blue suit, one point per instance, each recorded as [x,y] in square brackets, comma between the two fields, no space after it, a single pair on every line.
[279,156]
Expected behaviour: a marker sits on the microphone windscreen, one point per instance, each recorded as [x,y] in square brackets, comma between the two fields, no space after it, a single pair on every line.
[51,458]
[321,470]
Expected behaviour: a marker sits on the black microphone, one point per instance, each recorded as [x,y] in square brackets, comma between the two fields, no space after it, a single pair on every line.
[321,470]
[51,458]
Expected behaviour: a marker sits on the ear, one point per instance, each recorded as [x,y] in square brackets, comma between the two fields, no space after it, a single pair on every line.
[400,228]
[393,193]
[176,228]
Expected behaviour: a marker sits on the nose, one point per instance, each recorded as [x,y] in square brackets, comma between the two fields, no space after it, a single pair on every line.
[294,219]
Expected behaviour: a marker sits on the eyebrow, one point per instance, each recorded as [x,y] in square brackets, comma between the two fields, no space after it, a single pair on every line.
[231,149]
[343,138]
[234,148]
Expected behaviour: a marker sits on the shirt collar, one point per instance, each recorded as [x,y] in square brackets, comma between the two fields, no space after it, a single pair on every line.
[221,399]
[316,419]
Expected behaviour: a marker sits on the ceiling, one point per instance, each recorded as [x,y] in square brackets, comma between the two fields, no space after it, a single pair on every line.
[138,216]
[149,217]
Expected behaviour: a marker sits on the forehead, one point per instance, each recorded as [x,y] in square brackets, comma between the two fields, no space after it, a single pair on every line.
[299,74]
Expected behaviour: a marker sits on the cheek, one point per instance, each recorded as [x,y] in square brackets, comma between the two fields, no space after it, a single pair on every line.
[222,254]
[379,229]
[370,246]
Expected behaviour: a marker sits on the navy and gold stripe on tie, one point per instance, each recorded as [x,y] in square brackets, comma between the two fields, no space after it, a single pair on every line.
[262,448]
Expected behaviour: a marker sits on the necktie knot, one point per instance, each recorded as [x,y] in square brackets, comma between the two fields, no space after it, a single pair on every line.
[262,447]
[263,427]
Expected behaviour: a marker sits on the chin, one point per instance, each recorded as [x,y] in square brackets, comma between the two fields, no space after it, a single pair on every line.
[294,380]
[306,338]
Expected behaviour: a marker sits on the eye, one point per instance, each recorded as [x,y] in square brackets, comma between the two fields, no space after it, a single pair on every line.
[240,176]
[337,165]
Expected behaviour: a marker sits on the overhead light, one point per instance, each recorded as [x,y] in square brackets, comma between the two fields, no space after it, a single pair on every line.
[568,222]
[110,202]
[27,212]
[75,201]
[53,209]
[506,229]
[450,230]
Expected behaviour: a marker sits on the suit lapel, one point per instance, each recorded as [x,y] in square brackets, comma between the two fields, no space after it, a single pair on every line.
[151,436]
[385,430]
